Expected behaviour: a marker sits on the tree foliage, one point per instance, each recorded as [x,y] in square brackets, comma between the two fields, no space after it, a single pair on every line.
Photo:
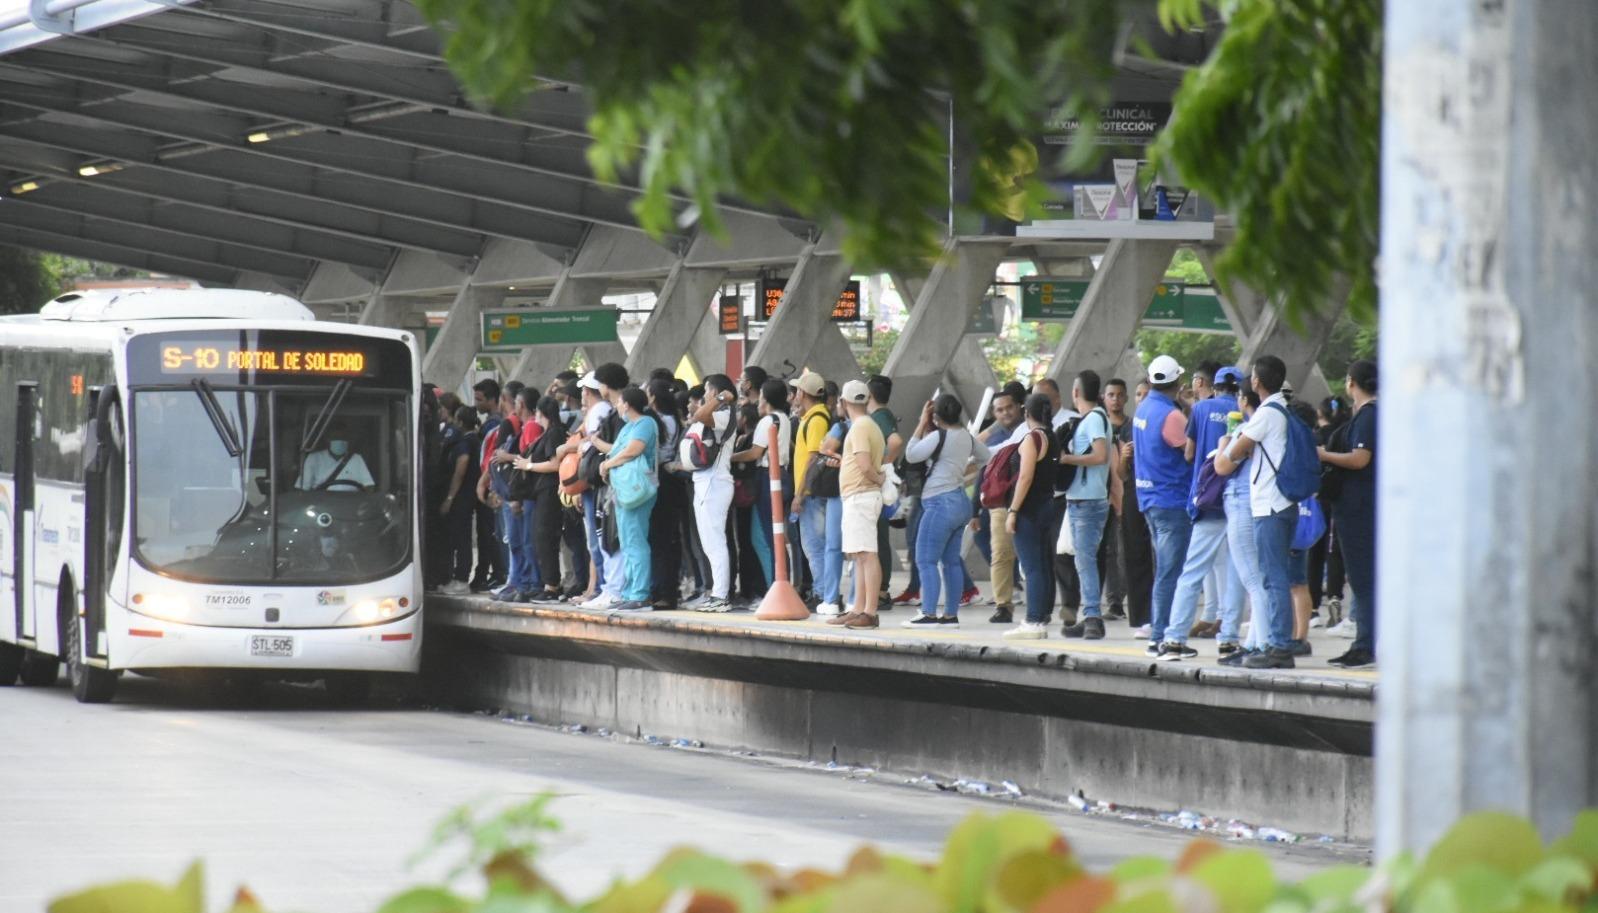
[1282,126]
[25,282]
[834,109]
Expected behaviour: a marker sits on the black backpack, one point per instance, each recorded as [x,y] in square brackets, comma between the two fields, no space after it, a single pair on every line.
[588,469]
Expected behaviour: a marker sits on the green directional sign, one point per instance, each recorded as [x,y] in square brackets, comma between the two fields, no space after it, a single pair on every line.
[1202,312]
[1047,298]
[1166,309]
[512,329]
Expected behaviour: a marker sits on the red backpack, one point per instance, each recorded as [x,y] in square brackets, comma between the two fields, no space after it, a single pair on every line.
[1000,475]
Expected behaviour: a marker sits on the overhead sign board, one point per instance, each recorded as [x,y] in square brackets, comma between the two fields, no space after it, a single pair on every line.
[1046,298]
[1176,305]
[1166,308]
[512,329]
[730,315]
[845,310]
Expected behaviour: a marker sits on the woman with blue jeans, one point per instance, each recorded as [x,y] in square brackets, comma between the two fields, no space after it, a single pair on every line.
[637,440]
[1032,515]
[945,509]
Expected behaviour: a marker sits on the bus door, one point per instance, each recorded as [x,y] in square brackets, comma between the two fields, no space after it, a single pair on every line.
[103,507]
[22,532]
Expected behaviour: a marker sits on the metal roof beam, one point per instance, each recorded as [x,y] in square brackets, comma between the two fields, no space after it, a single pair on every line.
[424,210]
[81,248]
[370,24]
[481,191]
[85,198]
[266,50]
[37,218]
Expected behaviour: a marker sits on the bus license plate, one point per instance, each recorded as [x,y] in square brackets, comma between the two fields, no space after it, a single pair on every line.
[267,645]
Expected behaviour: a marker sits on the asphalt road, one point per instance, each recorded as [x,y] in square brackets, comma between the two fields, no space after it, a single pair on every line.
[321,809]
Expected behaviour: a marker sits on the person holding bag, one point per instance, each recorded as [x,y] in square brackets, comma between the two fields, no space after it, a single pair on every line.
[630,473]
[541,465]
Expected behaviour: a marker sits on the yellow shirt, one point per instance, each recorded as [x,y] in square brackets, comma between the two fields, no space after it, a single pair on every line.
[864,437]
[812,431]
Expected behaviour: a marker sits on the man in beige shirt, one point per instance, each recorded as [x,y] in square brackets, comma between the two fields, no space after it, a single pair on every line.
[860,485]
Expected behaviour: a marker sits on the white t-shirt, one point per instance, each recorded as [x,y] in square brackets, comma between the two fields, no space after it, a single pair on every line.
[784,442]
[319,466]
[722,470]
[597,413]
[1065,414]
[1268,430]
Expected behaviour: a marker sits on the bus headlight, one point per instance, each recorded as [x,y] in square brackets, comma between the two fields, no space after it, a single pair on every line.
[368,611]
[161,605]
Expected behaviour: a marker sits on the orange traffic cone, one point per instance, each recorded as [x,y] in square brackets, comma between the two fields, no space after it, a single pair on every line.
[782,602]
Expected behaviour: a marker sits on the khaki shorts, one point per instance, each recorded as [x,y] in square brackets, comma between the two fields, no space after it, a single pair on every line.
[860,515]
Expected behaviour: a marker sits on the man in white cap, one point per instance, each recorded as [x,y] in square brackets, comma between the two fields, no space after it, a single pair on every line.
[1164,475]
[859,482]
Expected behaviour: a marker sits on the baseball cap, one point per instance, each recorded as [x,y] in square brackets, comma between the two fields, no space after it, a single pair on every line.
[1229,375]
[856,392]
[589,382]
[1164,369]
[810,383]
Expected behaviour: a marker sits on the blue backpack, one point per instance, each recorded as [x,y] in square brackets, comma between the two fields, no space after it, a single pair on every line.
[1299,475]
[1311,524]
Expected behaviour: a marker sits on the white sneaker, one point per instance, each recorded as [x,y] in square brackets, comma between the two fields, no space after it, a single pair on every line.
[714,604]
[1027,631]
[455,588]
[1345,628]
[829,608]
[599,602]
[1317,620]
[1144,633]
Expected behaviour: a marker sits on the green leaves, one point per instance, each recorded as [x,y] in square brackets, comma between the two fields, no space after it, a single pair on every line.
[187,896]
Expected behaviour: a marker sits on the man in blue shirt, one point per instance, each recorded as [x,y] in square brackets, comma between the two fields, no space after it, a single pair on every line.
[1207,547]
[1088,499]
[1159,454]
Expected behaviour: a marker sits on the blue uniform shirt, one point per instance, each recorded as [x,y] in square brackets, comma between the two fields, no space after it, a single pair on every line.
[1205,429]
[1163,473]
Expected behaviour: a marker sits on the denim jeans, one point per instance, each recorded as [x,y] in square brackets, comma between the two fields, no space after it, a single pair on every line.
[633,529]
[832,568]
[1031,531]
[912,532]
[1273,538]
[1207,552]
[528,543]
[1245,565]
[1169,529]
[813,536]
[942,540]
[1087,532]
[1358,531]
[607,566]
[518,575]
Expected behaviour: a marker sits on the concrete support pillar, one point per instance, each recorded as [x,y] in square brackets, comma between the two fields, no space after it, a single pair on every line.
[1114,305]
[1298,347]
[1487,530]
[683,304]
[708,349]
[380,310]
[831,357]
[604,352]
[1245,309]
[538,365]
[807,302]
[1129,369]
[451,356]
[969,374]
[938,321]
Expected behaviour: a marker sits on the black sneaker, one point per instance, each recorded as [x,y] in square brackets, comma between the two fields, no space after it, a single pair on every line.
[1171,652]
[1354,659]
[1270,659]
[1227,648]
[1114,612]
[1235,659]
[1001,616]
[953,620]
[633,605]
[1087,629]
[1299,647]
[921,621]
[481,585]
[546,597]
[1152,650]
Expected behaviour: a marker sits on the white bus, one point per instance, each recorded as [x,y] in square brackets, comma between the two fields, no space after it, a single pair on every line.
[206,480]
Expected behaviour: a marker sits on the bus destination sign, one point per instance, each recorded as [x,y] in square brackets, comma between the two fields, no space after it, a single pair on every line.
[211,358]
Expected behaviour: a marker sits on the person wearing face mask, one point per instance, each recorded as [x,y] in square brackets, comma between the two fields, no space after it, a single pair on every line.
[335,466]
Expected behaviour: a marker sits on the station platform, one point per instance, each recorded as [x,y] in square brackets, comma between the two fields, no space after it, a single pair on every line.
[1056,718]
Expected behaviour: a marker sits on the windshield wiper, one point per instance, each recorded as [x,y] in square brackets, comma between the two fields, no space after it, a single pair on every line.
[219,420]
[335,399]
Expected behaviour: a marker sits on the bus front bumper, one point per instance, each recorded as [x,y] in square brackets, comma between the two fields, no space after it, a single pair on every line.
[142,642]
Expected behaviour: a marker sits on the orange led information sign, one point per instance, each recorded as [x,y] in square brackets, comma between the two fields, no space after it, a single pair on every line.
[730,310]
[200,358]
[846,310]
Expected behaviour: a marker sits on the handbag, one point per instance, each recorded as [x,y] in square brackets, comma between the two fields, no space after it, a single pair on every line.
[633,482]
[609,531]
[1311,524]
[571,478]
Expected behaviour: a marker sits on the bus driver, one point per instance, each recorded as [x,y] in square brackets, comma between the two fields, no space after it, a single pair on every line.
[334,466]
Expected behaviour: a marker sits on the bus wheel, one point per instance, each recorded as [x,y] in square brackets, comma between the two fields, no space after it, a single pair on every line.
[40,669]
[89,684]
[348,689]
[10,663]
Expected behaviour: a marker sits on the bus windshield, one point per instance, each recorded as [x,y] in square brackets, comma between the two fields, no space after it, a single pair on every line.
[277,485]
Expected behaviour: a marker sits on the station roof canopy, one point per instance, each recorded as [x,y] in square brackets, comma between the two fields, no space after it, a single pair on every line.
[216,139]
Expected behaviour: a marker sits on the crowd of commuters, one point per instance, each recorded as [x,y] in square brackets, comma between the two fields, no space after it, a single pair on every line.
[1203,505]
